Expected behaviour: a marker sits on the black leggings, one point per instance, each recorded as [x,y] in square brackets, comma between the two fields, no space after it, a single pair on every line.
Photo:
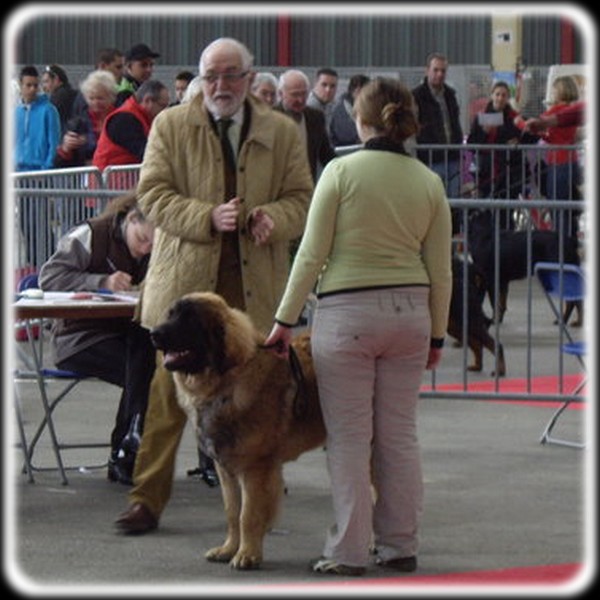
[127,361]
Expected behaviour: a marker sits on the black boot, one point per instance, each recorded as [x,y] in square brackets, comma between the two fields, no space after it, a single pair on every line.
[120,467]
[206,470]
[209,474]
[122,460]
[133,437]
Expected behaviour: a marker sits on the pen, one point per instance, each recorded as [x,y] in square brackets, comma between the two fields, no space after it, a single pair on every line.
[111,264]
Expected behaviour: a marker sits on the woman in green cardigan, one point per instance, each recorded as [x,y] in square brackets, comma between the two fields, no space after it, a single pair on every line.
[378,246]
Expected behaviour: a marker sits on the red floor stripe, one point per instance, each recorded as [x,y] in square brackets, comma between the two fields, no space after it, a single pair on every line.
[539,385]
[542,575]
[538,575]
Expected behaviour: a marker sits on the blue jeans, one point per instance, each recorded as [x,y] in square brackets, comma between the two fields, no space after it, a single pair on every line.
[561,184]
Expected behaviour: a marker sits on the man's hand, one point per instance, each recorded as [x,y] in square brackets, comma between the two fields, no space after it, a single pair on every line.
[261,225]
[224,217]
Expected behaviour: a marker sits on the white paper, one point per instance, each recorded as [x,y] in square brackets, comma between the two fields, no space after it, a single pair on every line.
[493,119]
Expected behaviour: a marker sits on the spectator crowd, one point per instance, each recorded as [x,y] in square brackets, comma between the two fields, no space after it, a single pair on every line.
[107,119]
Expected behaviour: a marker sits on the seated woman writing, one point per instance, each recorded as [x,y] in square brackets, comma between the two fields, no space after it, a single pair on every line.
[109,252]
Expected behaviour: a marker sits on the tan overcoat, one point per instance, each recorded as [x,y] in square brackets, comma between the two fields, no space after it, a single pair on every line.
[182,180]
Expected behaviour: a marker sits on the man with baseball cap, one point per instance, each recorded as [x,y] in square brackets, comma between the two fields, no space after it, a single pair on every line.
[139,66]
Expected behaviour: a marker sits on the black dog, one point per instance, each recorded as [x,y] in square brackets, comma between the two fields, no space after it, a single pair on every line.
[513,254]
[477,322]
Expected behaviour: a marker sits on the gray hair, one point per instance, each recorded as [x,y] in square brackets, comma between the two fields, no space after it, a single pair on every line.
[264,77]
[244,53]
[284,77]
[152,88]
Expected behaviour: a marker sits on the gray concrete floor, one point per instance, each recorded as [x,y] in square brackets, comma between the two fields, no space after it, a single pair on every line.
[494,498]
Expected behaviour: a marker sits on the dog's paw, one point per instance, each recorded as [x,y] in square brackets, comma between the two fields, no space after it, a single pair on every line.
[220,554]
[244,561]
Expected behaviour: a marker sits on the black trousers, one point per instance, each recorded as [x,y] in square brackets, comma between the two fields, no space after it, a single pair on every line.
[127,361]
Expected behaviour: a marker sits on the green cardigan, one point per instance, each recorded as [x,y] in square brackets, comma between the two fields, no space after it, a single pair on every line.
[377,218]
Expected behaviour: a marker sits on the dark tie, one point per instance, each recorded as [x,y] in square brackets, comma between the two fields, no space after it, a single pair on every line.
[223,126]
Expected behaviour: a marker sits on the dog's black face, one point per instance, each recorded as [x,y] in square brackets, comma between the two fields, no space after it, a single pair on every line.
[192,338]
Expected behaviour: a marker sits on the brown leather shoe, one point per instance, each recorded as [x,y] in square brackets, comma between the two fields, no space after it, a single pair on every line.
[137,519]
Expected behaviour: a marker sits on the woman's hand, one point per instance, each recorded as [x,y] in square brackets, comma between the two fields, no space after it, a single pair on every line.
[71,141]
[434,358]
[119,281]
[279,340]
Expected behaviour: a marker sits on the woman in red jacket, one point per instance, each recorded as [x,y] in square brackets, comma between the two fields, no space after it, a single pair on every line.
[563,174]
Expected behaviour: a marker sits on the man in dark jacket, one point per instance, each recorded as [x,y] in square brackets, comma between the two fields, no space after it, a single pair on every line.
[293,89]
[56,84]
[439,118]
[342,127]
[139,67]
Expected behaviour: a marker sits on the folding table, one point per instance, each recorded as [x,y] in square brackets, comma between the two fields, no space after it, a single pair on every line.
[57,305]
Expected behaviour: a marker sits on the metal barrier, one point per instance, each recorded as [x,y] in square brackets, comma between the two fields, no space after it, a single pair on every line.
[511,172]
[48,203]
[530,242]
[524,190]
[121,177]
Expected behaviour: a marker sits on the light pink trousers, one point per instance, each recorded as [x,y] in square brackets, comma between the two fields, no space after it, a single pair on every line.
[370,349]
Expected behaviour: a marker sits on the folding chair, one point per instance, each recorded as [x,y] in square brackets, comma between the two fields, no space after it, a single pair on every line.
[33,369]
[560,283]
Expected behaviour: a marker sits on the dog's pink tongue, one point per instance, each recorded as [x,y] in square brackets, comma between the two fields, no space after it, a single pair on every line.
[171,358]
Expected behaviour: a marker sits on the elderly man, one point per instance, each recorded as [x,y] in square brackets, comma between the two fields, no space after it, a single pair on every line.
[125,131]
[293,91]
[227,184]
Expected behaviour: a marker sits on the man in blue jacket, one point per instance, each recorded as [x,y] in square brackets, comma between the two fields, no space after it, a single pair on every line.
[37,133]
[37,125]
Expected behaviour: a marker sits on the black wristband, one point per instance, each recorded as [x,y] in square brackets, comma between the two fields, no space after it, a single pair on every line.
[284,324]
[437,343]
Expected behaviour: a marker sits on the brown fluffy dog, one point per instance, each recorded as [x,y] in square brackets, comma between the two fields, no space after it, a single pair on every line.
[252,411]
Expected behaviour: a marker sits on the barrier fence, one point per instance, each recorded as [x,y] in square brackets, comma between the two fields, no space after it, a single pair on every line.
[49,203]
[512,184]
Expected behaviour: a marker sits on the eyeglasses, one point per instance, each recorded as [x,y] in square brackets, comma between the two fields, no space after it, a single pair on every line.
[212,78]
